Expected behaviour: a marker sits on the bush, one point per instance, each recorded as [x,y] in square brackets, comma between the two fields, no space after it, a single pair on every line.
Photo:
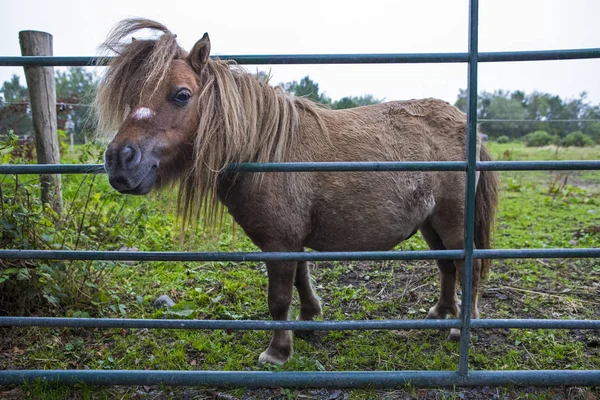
[538,139]
[593,131]
[577,139]
[503,139]
[91,220]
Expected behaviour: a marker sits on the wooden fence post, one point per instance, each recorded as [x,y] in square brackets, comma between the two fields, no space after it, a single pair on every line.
[42,94]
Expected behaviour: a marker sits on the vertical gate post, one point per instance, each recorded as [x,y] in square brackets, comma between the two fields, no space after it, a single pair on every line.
[42,95]
[471,157]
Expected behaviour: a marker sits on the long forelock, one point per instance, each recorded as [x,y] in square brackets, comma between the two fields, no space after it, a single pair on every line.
[137,71]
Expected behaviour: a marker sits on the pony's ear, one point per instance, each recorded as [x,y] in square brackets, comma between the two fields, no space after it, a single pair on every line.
[199,54]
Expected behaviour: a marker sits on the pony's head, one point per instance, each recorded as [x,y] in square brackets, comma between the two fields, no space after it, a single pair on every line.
[186,117]
[150,96]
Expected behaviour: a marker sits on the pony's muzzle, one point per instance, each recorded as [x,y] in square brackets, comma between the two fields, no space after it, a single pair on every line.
[129,169]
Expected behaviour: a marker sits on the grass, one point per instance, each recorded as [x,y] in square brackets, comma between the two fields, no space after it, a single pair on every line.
[537,209]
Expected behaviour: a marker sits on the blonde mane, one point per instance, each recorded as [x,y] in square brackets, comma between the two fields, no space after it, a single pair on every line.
[242,119]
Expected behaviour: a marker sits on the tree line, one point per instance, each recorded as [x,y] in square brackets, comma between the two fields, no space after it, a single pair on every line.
[511,115]
[517,114]
[306,87]
[502,113]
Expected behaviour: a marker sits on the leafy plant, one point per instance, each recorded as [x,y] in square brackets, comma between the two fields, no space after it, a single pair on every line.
[91,220]
[538,139]
[503,139]
[577,139]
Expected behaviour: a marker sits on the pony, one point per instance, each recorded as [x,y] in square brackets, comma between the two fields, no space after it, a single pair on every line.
[182,118]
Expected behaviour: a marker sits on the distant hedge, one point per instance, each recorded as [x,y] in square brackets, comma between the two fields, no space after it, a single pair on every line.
[539,138]
[577,139]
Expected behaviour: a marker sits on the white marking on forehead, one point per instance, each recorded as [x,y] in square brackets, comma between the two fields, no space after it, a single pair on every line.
[143,113]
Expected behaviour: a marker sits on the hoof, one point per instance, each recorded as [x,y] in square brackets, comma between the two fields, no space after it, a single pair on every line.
[270,357]
[435,313]
[454,335]
[440,311]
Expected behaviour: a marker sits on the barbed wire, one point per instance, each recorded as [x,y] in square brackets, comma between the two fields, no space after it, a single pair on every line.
[58,103]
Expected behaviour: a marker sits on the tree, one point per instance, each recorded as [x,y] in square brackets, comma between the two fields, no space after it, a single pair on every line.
[461,101]
[353,101]
[566,113]
[592,127]
[499,105]
[75,91]
[13,92]
[310,89]
[509,109]
[14,108]
[306,88]
[537,111]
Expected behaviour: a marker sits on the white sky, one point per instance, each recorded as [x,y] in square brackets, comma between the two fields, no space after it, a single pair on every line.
[307,26]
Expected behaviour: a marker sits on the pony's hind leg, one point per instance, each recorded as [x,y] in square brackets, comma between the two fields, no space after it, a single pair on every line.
[455,333]
[448,236]
[447,302]
[281,285]
[310,304]
[475,286]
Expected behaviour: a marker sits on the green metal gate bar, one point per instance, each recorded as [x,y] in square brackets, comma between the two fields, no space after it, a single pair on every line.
[394,324]
[575,165]
[294,256]
[306,379]
[295,59]
[462,377]
[469,228]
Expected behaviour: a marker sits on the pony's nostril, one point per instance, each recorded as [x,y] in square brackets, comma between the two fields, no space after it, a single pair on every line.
[128,153]
[129,156]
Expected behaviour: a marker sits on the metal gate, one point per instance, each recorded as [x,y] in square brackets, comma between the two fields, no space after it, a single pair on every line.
[463,376]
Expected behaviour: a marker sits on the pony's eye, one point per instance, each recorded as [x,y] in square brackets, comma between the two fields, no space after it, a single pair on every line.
[182,97]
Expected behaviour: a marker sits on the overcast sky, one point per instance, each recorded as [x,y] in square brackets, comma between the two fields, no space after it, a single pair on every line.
[288,27]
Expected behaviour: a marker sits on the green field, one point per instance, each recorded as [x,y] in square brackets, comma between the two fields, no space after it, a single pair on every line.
[537,210]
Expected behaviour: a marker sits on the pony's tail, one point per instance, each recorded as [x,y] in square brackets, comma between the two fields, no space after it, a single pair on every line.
[486,202]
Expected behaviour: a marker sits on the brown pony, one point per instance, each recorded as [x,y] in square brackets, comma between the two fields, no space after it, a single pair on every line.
[184,116]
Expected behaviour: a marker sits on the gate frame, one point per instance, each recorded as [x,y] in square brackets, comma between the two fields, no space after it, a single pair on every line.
[462,377]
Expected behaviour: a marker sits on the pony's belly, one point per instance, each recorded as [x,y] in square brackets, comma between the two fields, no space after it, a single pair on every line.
[337,235]
[353,245]
[370,219]
[369,212]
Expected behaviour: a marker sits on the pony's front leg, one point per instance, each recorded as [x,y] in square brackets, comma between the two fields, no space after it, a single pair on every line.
[281,284]
[310,304]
